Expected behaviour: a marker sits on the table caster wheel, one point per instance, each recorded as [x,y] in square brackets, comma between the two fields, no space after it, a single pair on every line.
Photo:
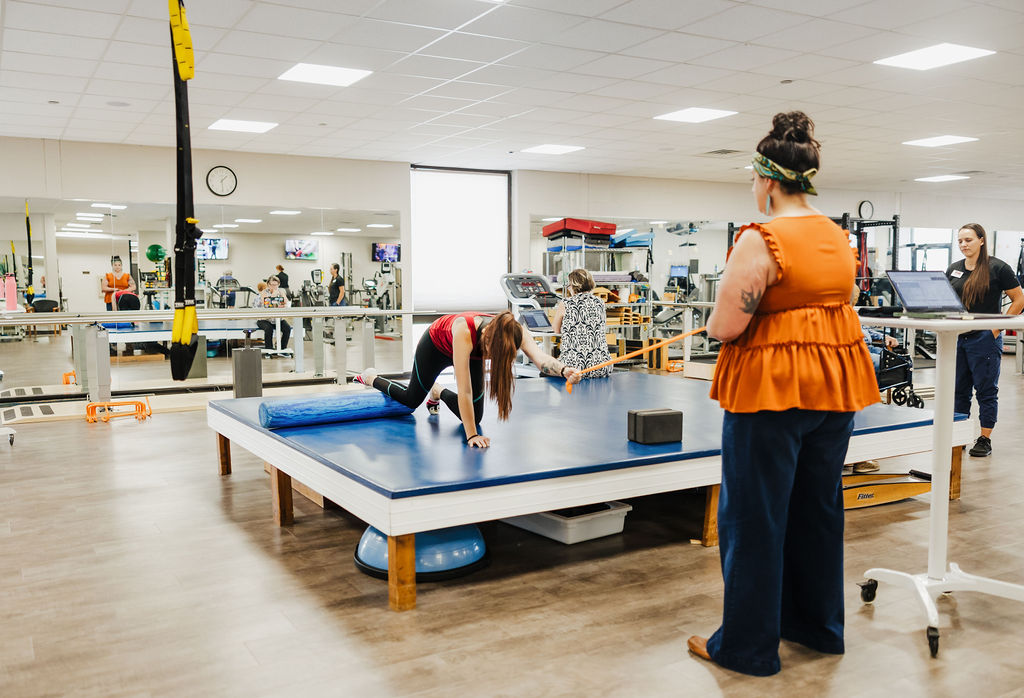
[933,640]
[867,590]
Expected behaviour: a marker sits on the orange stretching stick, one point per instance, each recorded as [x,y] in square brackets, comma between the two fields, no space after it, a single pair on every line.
[638,352]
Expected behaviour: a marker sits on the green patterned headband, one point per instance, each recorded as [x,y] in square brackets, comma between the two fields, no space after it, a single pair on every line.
[766,168]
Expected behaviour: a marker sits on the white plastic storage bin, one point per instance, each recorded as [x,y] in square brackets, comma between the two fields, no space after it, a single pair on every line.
[575,529]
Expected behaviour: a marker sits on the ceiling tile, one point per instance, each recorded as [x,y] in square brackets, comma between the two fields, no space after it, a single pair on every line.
[296,22]
[446,14]
[884,14]
[387,35]
[248,66]
[468,90]
[665,14]
[573,82]
[59,20]
[621,67]
[603,36]
[814,35]
[803,66]
[405,84]
[584,8]
[633,89]
[745,22]
[472,47]
[676,46]
[512,76]
[361,57]
[141,54]
[985,27]
[552,57]
[285,48]
[36,81]
[522,23]
[686,75]
[744,57]
[432,67]
[53,65]
[61,45]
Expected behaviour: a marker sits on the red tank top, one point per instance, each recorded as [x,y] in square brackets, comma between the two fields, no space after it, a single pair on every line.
[441,332]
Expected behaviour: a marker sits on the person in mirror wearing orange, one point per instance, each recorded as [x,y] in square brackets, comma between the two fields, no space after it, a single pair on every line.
[114,281]
[979,353]
[792,372]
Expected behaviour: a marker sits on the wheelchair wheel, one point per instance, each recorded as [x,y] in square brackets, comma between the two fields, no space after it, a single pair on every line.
[915,401]
[899,396]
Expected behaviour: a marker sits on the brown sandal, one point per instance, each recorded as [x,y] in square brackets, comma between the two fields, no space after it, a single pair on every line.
[699,646]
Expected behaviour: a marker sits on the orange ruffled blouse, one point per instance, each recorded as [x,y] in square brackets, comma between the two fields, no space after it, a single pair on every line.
[804,347]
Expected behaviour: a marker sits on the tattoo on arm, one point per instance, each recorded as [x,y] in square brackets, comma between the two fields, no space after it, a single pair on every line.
[550,366]
[750,300]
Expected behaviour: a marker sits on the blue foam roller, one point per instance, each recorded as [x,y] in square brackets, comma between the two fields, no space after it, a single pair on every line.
[325,409]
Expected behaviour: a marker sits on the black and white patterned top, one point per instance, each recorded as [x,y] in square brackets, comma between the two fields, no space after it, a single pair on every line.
[583,343]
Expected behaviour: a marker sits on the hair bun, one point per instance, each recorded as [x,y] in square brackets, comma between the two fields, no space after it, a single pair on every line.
[793,126]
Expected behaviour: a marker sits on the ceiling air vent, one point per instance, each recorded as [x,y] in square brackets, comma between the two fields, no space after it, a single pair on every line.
[971,173]
[723,152]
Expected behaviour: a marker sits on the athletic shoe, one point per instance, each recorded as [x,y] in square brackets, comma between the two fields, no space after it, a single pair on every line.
[867,466]
[367,376]
[982,447]
[433,406]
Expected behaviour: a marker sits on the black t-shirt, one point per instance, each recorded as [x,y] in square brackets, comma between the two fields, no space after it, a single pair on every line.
[283,278]
[336,290]
[1001,278]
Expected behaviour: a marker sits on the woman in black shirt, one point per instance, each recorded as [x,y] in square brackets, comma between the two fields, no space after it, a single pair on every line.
[978,354]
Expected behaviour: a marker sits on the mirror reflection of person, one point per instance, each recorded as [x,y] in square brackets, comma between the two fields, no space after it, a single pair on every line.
[273,297]
[580,318]
[116,280]
[282,277]
[336,291]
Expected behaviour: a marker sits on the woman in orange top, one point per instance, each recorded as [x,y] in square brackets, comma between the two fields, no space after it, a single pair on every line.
[111,283]
[792,372]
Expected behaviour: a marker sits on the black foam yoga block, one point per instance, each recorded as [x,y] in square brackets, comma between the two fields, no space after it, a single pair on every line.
[655,426]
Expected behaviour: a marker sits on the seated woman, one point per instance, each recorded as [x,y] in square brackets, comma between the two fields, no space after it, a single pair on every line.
[465,341]
[271,296]
[580,318]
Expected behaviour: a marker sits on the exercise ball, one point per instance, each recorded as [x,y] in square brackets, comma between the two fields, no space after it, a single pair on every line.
[442,554]
[155,253]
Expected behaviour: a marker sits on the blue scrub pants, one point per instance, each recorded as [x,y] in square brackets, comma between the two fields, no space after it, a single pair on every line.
[978,356]
[780,532]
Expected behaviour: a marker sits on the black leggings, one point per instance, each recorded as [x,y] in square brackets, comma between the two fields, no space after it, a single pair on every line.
[426,367]
[268,333]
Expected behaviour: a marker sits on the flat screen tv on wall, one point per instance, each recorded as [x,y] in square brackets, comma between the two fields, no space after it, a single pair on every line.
[386,252]
[301,249]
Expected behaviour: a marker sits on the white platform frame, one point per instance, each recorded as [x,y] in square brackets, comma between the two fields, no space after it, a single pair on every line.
[409,515]
[943,576]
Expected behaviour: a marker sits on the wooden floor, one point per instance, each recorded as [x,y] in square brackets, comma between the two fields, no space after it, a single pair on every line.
[129,568]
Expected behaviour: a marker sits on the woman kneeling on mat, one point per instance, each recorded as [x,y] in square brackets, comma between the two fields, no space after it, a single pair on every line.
[464,341]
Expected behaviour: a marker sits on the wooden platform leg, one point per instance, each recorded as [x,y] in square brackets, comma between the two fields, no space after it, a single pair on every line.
[402,572]
[709,537]
[955,464]
[224,453]
[281,494]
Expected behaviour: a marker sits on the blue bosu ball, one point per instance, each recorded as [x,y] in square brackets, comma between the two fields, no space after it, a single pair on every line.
[442,554]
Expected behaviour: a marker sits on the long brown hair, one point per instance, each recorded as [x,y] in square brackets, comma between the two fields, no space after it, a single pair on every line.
[501,339]
[977,285]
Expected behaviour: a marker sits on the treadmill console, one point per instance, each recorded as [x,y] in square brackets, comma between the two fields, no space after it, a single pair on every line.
[530,286]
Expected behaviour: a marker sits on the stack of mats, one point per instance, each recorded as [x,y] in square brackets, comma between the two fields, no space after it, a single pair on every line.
[593,233]
[632,238]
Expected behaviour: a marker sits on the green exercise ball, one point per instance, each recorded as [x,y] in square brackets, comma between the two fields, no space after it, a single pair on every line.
[155,253]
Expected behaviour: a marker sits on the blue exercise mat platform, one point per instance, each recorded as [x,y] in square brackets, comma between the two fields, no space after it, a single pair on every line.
[550,434]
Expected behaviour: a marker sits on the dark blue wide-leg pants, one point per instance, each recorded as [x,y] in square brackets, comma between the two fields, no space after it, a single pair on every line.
[780,532]
[978,357]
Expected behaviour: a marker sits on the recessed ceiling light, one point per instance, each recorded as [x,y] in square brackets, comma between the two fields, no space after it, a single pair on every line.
[324,74]
[210,230]
[551,220]
[936,141]
[934,56]
[225,225]
[78,225]
[695,115]
[80,234]
[350,230]
[241,126]
[656,222]
[112,207]
[941,178]
[379,225]
[552,149]
[116,103]
[248,220]
[96,219]
[283,212]
[322,232]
